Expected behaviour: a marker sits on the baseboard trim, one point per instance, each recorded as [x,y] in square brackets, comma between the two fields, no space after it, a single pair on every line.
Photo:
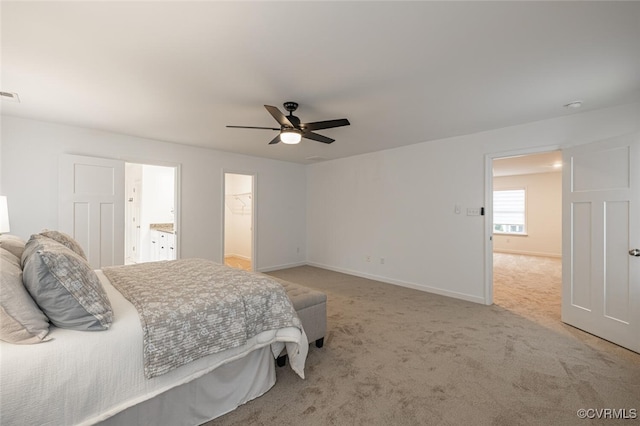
[528,253]
[285,266]
[415,286]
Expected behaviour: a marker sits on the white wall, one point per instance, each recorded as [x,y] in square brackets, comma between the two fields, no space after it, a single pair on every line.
[399,204]
[544,215]
[396,204]
[29,158]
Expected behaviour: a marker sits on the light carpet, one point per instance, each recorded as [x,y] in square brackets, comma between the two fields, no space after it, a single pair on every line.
[397,356]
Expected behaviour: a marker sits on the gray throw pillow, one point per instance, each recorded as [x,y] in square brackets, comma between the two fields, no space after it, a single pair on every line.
[65,240]
[13,244]
[21,321]
[64,286]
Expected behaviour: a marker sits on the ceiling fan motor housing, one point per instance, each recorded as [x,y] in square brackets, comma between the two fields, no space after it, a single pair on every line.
[290,106]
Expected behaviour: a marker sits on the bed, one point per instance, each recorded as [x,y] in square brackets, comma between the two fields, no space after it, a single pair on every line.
[78,377]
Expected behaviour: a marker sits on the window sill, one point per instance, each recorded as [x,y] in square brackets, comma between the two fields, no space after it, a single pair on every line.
[511,234]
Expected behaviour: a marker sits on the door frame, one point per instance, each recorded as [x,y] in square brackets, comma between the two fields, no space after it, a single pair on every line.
[488,202]
[254,210]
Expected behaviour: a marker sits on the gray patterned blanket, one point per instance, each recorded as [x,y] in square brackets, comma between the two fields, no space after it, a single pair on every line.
[192,308]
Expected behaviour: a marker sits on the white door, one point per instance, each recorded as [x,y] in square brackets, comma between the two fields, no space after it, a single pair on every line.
[133,189]
[601,229]
[132,218]
[91,206]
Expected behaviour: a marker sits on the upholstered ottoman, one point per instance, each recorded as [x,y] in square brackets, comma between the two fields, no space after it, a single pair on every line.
[311,306]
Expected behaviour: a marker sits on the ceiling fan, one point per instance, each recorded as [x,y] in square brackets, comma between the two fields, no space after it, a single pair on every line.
[292,130]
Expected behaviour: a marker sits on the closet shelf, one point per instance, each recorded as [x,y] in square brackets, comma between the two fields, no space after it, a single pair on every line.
[239,203]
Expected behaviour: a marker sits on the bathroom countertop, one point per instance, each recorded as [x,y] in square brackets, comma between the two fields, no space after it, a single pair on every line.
[162,227]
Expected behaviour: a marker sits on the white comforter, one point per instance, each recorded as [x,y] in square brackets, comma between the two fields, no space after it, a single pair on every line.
[85,377]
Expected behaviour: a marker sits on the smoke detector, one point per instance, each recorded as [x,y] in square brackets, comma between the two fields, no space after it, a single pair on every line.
[8,96]
[573,105]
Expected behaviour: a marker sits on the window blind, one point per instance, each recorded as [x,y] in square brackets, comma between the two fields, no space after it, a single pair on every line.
[509,207]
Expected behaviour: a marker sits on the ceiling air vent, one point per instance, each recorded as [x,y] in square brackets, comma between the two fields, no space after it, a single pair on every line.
[8,96]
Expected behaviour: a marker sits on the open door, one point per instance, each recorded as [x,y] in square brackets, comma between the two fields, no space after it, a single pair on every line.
[91,206]
[601,239]
[133,202]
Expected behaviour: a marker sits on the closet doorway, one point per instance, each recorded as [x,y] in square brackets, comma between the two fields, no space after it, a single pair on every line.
[239,212]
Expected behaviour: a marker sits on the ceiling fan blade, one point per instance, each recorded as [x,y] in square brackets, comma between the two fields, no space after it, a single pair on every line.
[280,117]
[318,125]
[317,137]
[275,140]
[252,127]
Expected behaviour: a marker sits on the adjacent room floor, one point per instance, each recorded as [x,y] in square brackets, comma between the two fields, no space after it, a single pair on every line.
[237,262]
[530,286]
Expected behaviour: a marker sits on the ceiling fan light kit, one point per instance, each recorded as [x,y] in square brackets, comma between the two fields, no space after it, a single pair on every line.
[292,130]
[290,136]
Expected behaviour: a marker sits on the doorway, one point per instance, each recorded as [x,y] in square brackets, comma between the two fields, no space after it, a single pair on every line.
[524,221]
[527,235]
[150,213]
[239,213]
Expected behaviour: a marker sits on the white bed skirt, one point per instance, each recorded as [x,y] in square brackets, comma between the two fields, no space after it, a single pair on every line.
[84,378]
[206,398]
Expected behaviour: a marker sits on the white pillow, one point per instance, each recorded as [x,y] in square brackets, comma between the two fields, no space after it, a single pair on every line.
[21,321]
[13,244]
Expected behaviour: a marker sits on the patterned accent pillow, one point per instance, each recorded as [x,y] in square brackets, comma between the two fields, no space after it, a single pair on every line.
[66,288]
[65,240]
[13,244]
[21,321]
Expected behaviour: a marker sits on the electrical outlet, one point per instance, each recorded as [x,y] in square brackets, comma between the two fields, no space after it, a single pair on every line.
[367,258]
[473,211]
[382,260]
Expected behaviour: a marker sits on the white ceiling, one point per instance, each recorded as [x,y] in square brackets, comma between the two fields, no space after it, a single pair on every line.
[545,162]
[401,72]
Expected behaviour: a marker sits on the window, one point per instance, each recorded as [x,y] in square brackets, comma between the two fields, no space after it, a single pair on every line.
[509,213]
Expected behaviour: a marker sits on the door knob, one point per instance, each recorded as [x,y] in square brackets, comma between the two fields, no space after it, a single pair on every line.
[634,252]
